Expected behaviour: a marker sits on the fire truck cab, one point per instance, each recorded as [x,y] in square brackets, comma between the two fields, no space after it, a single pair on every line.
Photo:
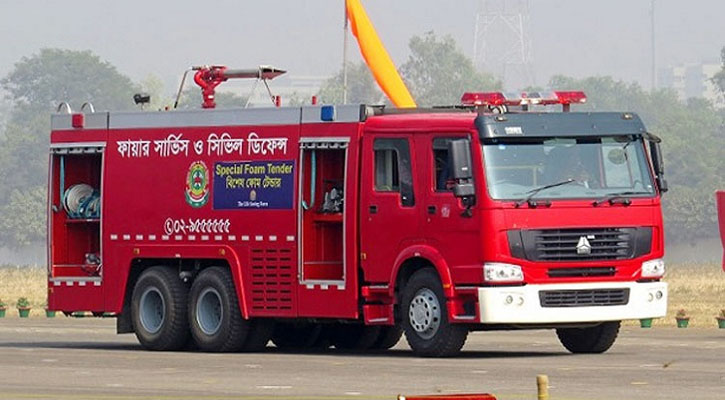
[346,226]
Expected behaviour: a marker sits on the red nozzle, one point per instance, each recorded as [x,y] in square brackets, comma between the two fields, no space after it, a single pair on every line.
[208,78]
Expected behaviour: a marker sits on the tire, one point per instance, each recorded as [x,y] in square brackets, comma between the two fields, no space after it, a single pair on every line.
[354,337]
[159,308]
[596,339]
[296,335]
[260,332]
[425,318]
[388,338]
[216,322]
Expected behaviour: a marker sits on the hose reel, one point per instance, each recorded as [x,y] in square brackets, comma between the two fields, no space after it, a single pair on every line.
[82,201]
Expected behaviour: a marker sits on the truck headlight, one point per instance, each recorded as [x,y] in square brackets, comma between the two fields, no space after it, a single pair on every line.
[653,268]
[502,272]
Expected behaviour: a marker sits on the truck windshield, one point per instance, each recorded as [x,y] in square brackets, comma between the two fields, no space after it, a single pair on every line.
[597,166]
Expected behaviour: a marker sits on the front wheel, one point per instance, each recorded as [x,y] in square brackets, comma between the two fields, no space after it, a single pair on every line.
[596,339]
[425,318]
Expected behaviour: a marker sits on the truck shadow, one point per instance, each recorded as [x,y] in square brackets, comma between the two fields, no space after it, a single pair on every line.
[73,345]
[403,353]
[394,353]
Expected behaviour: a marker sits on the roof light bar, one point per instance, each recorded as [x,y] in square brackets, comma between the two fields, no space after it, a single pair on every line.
[571,97]
[480,99]
[490,99]
[559,97]
[526,98]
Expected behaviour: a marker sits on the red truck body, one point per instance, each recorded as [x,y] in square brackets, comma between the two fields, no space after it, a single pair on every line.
[323,215]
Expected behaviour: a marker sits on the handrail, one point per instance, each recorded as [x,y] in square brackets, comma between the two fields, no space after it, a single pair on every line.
[313,178]
[90,107]
[68,110]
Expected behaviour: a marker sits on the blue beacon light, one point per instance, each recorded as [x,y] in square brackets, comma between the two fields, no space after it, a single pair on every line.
[327,113]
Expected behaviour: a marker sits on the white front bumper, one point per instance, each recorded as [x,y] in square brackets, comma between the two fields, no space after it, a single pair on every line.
[525,306]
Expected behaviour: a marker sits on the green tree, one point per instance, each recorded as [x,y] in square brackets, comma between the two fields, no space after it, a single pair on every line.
[40,82]
[361,87]
[154,87]
[24,155]
[438,73]
[5,108]
[34,88]
[191,99]
[719,78]
[24,216]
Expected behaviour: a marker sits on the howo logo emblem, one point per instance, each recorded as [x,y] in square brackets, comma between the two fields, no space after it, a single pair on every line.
[584,247]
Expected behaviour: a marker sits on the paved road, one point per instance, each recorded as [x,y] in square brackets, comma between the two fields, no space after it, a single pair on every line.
[67,358]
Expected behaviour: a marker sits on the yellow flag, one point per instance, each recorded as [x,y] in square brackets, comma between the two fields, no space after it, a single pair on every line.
[376,56]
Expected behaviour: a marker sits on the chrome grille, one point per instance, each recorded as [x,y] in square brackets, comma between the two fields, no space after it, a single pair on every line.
[561,244]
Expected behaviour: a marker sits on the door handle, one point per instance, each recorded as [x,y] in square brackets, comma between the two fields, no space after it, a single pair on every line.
[432,210]
[373,209]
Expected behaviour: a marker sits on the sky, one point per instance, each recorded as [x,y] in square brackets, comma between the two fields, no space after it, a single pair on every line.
[573,37]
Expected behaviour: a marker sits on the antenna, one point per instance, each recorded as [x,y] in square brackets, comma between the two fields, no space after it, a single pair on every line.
[502,43]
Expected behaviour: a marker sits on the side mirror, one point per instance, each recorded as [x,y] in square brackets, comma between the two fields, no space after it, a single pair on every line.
[658,165]
[459,159]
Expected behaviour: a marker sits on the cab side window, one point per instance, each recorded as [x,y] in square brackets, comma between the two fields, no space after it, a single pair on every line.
[441,172]
[387,178]
[393,169]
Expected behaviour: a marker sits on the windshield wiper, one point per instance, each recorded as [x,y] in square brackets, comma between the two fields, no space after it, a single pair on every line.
[533,192]
[621,196]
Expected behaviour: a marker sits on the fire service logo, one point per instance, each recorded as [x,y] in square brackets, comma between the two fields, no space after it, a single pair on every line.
[197,184]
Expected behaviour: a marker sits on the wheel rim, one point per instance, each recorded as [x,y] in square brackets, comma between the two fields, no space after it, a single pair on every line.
[209,311]
[152,310]
[425,313]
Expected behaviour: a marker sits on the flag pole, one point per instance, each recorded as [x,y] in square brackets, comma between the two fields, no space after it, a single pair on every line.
[344,58]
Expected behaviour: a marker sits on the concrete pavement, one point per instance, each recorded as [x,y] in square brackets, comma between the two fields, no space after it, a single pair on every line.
[67,358]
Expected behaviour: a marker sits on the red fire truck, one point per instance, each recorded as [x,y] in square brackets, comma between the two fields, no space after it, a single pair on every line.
[346,226]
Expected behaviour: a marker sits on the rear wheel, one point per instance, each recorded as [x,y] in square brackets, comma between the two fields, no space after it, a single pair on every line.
[596,339]
[355,337]
[425,317]
[158,310]
[214,316]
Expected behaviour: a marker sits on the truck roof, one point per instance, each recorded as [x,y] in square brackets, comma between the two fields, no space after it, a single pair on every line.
[376,118]
[541,124]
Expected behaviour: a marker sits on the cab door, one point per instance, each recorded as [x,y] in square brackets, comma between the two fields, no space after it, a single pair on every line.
[447,228]
[389,204]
